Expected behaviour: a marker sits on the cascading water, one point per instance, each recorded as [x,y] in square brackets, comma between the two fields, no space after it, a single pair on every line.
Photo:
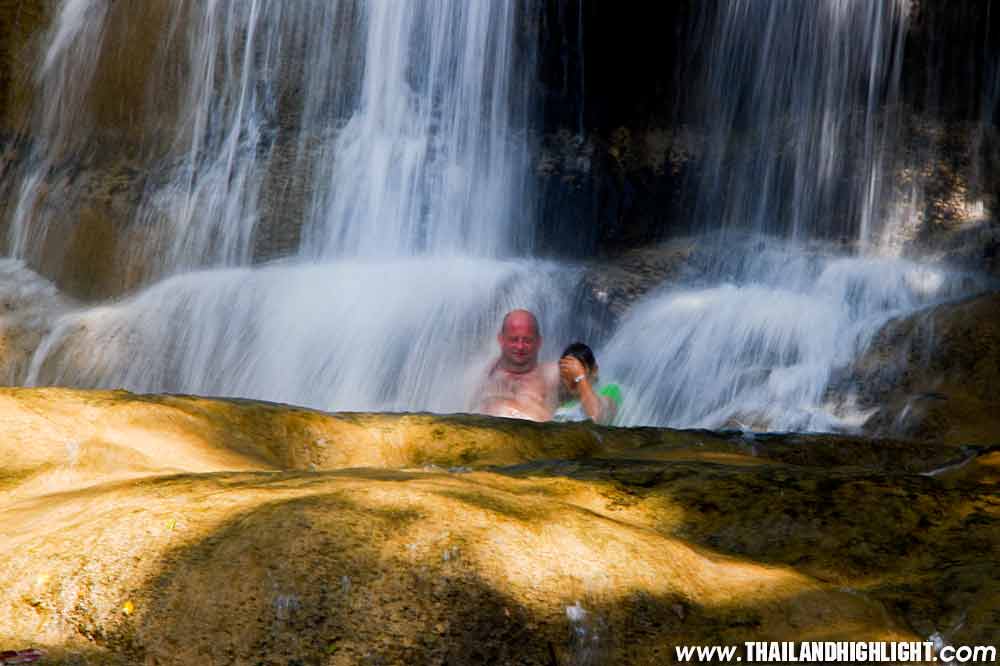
[388,145]
[441,131]
[406,120]
[406,126]
[352,334]
[800,101]
[758,349]
[68,67]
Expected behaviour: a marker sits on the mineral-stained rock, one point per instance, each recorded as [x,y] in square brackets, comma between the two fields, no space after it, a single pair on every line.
[936,375]
[179,530]
[22,20]
[611,286]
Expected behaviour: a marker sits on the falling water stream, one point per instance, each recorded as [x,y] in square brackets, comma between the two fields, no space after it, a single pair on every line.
[803,105]
[410,133]
[757,347]
[407,127]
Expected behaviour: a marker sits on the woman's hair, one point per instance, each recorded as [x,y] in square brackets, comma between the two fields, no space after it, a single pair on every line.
[582,353]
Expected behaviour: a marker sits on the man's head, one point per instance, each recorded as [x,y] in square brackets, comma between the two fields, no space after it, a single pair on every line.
[520,339]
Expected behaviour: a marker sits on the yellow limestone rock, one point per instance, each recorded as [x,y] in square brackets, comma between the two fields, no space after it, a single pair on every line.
[180,530]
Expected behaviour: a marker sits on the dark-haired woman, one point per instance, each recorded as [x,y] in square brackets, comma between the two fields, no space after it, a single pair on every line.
[581,395]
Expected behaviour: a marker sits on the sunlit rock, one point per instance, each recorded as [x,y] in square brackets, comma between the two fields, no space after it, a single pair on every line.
[173,530]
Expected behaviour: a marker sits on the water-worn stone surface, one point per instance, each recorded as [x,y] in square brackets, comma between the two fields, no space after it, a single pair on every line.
[177,530]
[613,285]
[936,375]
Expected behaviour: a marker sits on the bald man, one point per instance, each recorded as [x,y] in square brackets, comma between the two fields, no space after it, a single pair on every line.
[517,386]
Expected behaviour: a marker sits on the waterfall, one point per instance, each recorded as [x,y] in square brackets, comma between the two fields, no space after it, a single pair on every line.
[405,125]
[74,45]
[405,335]
[799,102]
[757,350]
[439,133]
[336,207]
[388,139]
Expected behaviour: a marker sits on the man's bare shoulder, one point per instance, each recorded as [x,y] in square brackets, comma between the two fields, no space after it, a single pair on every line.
[549,371]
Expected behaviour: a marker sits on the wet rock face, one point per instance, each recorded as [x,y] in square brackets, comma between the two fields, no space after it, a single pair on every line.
[631,188]
[95,246]
[107,237]
[947,68]
[632,89]
[936,375]
[22,20]
[612,286]
[945,179]
[606,193]
[177,530]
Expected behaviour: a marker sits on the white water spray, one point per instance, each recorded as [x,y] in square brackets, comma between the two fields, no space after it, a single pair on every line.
[389,140]
[403,124]
[758,350]
[801,101]
[309,334]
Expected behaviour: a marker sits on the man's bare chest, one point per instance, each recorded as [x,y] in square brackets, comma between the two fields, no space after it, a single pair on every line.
[519,385]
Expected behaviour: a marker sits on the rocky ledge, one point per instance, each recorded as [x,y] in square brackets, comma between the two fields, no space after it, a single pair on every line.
[181,530]
[935,375]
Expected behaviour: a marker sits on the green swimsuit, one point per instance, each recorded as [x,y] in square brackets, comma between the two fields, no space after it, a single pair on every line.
[572,410]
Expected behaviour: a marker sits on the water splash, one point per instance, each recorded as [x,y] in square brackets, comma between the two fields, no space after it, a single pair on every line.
[401,130]
[759,349]
[351,335]
[802,106]
[389,142]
